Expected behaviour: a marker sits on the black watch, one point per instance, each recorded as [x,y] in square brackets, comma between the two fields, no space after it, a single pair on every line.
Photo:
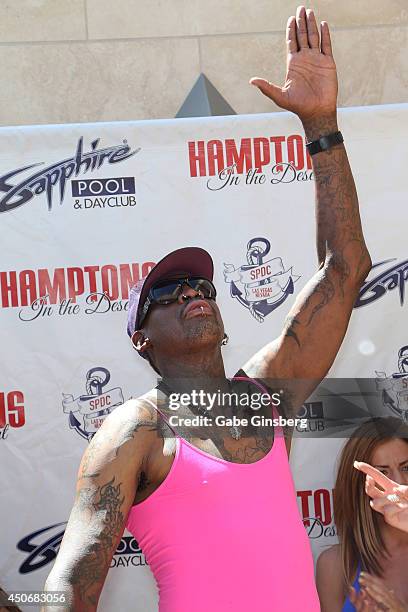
[324,143]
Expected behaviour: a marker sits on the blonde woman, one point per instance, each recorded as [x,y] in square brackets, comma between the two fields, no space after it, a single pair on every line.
[368,569]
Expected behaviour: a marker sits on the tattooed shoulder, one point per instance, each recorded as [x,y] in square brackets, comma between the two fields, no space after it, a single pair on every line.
[130,418]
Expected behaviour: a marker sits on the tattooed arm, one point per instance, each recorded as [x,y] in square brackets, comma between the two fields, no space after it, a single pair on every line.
[108,478]
[317,323]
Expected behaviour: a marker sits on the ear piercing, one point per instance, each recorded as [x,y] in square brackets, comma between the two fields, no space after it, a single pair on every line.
[139,344]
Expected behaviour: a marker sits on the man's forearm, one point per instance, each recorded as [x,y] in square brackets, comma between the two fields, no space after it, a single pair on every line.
[63,585]
[340,237]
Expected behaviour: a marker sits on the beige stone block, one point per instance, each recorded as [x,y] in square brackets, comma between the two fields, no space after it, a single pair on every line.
[104,81]
[42,20]
[230,61]
[145,18]
[341,13]
[371,71]
[372,65]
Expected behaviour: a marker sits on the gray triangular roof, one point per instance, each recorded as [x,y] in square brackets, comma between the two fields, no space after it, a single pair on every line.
[204,100]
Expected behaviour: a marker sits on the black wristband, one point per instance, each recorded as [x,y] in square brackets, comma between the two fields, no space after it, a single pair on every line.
[324,143]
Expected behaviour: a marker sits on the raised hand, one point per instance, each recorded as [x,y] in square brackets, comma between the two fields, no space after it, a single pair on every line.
[310,88]
[391,499]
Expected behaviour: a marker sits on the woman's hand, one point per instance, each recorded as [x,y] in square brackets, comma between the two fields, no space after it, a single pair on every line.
[362,601]
[378,591]
[387,496]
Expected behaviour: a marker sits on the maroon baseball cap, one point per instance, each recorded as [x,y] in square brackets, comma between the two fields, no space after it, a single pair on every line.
[193,261]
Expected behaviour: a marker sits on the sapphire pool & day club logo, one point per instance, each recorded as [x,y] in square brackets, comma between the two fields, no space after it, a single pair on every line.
[16,191]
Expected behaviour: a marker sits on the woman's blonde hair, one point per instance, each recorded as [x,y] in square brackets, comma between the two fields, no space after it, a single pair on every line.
[358,526]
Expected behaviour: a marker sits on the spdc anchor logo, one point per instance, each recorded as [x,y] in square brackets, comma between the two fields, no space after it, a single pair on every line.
[93,407]
[394,389]
[104,193]
[262,284]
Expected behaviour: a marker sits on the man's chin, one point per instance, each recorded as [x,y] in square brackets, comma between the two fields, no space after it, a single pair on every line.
[202,328]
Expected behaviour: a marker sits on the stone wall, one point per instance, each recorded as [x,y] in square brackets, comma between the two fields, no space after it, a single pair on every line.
[66,61]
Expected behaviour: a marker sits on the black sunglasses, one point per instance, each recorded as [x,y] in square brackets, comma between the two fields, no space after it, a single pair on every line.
[169,290]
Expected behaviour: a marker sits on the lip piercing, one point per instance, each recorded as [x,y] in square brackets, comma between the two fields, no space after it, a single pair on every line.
[202,311]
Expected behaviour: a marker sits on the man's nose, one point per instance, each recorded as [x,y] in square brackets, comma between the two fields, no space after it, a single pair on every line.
[188,292]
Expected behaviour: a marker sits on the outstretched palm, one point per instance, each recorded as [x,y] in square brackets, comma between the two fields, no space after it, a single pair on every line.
[310,87]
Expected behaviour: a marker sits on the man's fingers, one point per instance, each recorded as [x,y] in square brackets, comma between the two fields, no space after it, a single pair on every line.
[291,40]
[312,31]
[273,92]
[380,478]
[301,28]
[326,40]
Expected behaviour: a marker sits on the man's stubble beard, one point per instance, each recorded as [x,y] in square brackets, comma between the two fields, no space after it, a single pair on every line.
[202,329]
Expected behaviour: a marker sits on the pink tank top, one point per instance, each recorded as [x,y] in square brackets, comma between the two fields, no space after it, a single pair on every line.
[222,536]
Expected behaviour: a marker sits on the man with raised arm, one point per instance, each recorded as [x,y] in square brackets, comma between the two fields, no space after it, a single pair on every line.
[216,514]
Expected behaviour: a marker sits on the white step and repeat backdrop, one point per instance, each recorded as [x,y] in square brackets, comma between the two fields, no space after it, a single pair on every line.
[86,210]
